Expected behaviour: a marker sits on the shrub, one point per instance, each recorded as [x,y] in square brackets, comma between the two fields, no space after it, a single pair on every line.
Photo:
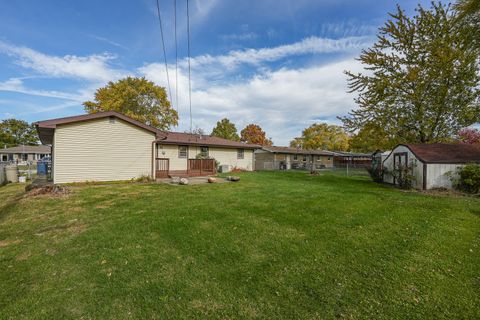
[376,174]
[467,178]
[403,175]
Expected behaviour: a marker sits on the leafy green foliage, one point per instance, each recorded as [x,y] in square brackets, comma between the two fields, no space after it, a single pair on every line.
[254,134]
[372,137]
[467,178]
[469,16]
[15,132]
[226,130]
[322,136]
[422,78]
[137,98]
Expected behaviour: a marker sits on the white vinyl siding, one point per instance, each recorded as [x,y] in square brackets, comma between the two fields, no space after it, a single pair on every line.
[99,150]
[227,156]
[171,152]
[437,175]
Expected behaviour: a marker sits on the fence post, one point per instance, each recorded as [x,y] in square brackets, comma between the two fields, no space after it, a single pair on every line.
[347,169]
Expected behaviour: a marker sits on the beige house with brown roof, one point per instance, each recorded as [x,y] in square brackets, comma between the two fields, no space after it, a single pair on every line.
[108,146]
[23,154]
[276,158]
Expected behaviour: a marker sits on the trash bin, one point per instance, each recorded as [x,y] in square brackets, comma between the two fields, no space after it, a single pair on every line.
[41,168]
[11,171]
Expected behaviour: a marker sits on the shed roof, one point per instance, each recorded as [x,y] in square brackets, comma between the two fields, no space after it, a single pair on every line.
[445,152]
[202,140]
[27,149]
[276,149]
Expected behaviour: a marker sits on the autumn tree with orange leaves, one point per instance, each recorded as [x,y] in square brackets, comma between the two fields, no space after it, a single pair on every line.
[254,134]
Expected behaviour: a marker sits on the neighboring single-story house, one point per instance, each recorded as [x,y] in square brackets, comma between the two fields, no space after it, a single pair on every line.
[109,146]
[431,162]
[275,158]
[22,154]
[352,159]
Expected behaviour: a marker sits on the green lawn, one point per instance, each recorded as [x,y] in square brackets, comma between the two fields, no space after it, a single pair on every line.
[275,245]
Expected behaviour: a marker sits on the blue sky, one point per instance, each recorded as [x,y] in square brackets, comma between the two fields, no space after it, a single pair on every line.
[277,63]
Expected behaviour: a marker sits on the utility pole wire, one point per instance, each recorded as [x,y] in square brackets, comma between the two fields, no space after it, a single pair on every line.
[164,51]
[189,68]
[176,53]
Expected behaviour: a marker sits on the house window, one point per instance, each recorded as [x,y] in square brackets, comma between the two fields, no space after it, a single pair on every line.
[240,154]
[4,157]
[204,151]
[111,119]
[304,158]
[24,157]
[295,157]
[182,151]
[329,158]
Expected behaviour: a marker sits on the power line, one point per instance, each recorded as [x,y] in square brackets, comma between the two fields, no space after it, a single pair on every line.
[189,68]
[176,52]
[164,51]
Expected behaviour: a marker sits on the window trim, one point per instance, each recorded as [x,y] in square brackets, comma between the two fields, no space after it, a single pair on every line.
[240,153]
[180,152]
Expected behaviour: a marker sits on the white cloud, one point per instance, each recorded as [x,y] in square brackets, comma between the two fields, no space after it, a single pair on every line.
[16,85]
[93,67]
[283,102]
[311,45]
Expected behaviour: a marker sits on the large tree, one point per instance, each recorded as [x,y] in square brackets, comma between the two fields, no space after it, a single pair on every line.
[15,132]
[226,129]
[370,138]
[469,15]
[322,136]
[254,134]
[137,98]
[421,81]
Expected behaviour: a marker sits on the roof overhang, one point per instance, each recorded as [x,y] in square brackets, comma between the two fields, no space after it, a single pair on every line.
[207,144]
[47,128]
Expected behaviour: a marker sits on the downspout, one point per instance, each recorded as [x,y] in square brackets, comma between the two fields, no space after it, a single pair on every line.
[154,143]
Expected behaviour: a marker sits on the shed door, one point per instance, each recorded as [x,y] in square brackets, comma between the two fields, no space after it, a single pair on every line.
[399,160]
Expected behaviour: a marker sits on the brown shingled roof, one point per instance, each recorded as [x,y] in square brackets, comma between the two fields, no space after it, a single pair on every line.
[445,152]
[27,149]
[296,151]
[45,131]
[202,140]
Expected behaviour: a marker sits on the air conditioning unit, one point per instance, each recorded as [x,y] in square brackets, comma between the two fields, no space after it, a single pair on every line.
[224,168]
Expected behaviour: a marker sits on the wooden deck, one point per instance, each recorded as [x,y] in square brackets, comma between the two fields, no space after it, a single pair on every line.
[195,168]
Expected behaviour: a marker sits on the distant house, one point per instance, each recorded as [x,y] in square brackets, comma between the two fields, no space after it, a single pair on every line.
[431,162]
[109,146]
[23,154]
[275,158]
[352,159]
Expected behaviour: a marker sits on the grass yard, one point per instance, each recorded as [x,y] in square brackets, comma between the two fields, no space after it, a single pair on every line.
[275,245]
